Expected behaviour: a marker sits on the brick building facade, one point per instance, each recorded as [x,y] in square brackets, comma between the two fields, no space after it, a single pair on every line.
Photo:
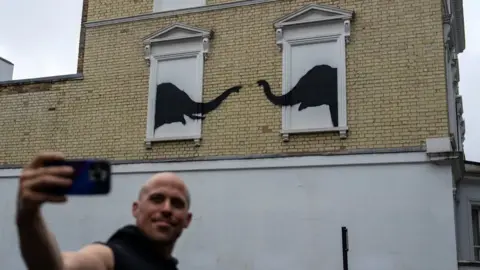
[395,84]
[387,146]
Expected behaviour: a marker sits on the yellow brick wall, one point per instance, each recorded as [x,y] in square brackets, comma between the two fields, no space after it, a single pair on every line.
[101,9]
[395,88]
[213,2]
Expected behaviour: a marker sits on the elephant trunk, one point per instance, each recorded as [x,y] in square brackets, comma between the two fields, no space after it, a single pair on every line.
[205,108]
[283,100]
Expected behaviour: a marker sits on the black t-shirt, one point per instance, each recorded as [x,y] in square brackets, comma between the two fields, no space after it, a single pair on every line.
[132,250]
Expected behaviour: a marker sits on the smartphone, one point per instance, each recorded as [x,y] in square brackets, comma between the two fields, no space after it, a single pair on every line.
[90,177]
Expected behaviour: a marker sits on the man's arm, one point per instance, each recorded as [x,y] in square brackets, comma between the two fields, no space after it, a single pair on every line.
[40,250]
[37,245]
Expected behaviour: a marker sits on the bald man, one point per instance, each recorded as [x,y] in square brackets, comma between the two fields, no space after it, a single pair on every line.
[161,212]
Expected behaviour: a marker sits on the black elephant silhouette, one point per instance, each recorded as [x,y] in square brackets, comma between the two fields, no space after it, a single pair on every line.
[317,87]
[173,104]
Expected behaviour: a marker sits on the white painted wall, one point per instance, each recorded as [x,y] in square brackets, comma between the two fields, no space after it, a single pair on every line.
[399,216]
[6,70]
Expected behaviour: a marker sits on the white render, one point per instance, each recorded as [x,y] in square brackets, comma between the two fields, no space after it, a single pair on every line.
[278,213]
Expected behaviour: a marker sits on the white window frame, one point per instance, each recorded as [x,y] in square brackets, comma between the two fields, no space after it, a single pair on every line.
[289,26]
[198,41]
[157,5]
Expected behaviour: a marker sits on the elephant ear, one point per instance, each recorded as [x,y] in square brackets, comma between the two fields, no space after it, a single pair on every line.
[182,120]
[303,106]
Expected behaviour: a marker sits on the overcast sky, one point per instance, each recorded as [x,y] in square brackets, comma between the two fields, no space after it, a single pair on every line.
[41,39]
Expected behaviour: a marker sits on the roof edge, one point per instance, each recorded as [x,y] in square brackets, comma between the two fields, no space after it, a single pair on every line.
[50,79]
[472,168]
[6,61]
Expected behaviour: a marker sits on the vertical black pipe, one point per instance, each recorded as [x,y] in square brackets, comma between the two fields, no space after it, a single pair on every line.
[345,247]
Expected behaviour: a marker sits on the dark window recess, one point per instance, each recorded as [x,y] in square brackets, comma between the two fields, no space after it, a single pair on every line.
[476,232]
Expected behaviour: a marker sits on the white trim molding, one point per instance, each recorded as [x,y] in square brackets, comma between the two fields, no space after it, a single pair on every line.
[315,24]
[460,119]
[315,13]
[177,32]
[260,163]
[175,42]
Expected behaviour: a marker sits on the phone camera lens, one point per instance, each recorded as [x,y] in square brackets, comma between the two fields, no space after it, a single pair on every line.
[97,173]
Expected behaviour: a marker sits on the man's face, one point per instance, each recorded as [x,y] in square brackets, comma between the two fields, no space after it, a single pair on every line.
[162,210]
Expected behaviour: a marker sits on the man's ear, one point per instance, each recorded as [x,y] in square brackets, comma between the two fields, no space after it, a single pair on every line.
[189,219]
[135,209]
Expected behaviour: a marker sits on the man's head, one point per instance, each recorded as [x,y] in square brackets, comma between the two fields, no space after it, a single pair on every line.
[162,208]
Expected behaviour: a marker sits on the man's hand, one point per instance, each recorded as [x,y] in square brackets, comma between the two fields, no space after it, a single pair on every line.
[37,244]
[35,180]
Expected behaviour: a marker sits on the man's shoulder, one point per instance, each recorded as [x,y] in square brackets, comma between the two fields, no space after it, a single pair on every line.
[97,247]
[97,255]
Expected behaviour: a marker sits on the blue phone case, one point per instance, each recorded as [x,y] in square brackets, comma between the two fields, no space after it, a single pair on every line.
[90,177]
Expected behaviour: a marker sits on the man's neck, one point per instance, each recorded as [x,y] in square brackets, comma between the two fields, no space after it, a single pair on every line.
[164,250]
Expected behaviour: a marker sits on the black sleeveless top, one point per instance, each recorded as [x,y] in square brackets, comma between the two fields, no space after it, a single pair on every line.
[132,250]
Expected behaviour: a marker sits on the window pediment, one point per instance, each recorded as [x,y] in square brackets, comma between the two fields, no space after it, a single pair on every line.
[177,31]
[314,13]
